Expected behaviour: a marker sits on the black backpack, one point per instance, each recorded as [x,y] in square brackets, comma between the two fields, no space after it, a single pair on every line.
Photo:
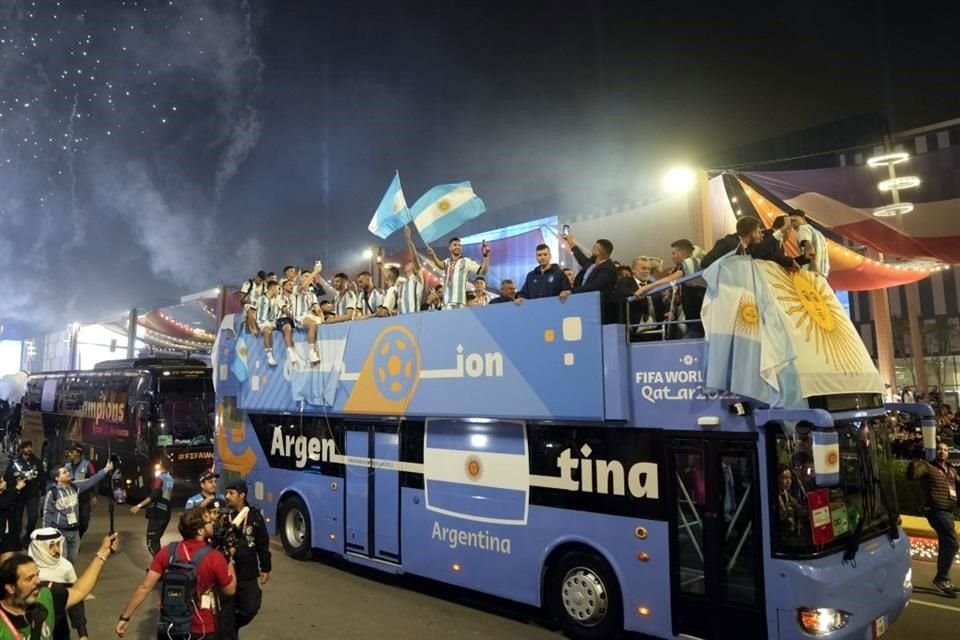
[178,589]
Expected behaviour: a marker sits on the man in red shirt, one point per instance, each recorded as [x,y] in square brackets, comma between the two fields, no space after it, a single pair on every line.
[212,574]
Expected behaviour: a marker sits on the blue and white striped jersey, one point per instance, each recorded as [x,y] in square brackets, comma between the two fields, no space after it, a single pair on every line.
[390,299]
[344,301]
[455,281]
[268,310]
[302,303]
[368,302]
[410,292]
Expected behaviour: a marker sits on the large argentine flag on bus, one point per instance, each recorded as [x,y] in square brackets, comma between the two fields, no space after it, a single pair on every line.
[392,212]
[748,349]
[477,471]
[444,208]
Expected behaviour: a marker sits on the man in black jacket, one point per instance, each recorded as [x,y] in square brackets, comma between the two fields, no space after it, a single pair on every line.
[545,280]
[251,560]
[30,468]
[597,272]
[750,240]
[646,309]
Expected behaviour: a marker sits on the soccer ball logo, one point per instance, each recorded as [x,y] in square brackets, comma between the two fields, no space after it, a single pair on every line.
[396,364]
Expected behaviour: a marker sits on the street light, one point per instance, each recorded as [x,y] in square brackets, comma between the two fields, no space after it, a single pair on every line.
[367,254]
[679,180]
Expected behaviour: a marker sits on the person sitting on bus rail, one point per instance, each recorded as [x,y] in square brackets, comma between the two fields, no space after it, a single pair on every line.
[303,301]
[31,469]
[81,469]
[691,292]
[290,274]
[61,507]
[458,268]
[597,271]
[268,311]
[208,490]
[388,303]
[345,300]
[158,515]
[508,292]
[250,292]
[285,322]
[546,280]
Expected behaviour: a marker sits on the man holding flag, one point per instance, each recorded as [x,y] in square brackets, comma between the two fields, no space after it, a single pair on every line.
[456,269]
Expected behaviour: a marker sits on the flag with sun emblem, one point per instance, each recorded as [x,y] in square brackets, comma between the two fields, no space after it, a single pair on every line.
[477,470]
[444,208]
[748,352]
[831,357]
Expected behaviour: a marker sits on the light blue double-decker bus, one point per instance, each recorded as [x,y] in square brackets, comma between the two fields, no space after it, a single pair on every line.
[537,454]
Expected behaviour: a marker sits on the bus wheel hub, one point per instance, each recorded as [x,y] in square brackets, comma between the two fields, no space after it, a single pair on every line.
[584,596]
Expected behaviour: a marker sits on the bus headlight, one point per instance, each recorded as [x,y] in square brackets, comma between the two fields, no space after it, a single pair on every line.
[820,622]
[908,579]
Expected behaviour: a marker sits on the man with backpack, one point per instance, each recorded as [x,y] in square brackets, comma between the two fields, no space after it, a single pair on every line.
[189,573]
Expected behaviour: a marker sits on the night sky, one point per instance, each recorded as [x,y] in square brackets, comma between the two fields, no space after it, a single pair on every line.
[153,149]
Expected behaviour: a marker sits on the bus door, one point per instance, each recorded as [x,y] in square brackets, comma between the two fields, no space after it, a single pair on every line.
[716,537]
[372,481]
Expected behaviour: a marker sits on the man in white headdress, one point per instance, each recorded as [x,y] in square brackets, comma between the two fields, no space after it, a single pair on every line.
[46,549]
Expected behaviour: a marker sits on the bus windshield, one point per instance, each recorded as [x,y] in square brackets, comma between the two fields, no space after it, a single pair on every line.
[186,407]
[864,491]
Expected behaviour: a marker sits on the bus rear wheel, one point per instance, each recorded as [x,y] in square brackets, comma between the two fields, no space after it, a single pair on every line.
[584,597]
[293,525]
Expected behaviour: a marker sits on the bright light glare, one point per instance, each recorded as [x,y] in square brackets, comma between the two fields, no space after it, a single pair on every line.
[367,254]
[888,158]
[679,180]
[905,182]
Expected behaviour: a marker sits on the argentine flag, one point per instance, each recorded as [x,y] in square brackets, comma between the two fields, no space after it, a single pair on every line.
[239,366]
[444,208]
[749,352]
[392,212]
[477,472]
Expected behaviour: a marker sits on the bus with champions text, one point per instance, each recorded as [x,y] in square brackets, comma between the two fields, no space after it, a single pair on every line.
[675,488]
[142,411]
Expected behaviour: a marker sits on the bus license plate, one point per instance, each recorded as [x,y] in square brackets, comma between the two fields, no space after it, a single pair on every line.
[879,626]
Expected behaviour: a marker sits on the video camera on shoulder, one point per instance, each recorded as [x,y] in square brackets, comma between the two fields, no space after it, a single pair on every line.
[24,472]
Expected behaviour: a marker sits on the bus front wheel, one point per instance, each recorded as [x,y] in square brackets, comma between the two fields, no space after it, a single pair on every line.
[293,524]
[584,597]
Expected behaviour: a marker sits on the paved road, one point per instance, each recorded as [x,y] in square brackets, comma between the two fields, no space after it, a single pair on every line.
[325,599]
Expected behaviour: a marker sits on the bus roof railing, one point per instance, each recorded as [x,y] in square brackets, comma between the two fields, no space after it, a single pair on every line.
[818,417]
[919,409]
[145,363]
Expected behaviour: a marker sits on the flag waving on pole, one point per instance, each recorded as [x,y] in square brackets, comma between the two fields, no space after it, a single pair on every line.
[392,212]
[444,208]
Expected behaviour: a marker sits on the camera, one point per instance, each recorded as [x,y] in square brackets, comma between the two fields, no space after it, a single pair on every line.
[226,535]
[20,472]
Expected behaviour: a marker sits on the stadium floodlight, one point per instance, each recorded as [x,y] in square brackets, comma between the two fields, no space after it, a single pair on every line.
[679,180]
[367,254]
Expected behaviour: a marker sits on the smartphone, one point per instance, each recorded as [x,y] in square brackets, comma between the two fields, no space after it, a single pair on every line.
[483,247]
[566,230]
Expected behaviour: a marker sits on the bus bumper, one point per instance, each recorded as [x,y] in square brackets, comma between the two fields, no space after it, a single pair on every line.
[872,592]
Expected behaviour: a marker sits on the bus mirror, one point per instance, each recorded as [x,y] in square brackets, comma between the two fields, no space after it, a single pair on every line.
[826,458]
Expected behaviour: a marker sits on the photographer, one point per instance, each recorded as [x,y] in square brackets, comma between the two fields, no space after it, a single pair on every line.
[251,558]
[61,508]
[29,468]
